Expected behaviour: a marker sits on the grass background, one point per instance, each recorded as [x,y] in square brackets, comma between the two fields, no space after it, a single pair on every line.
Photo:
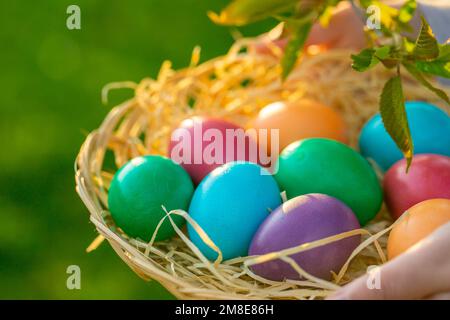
[50,82]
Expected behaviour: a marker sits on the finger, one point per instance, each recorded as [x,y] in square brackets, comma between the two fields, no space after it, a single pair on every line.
[420,272]
[345,30]
[330,34]
[320,36]
[268,48]
[440,296]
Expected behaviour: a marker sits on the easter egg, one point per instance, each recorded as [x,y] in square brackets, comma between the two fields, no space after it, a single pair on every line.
[140,188]
[326,166]
[201,144]
[428,177]
[299,120]
[416,224]
[230,204]
[301,220]
[430,131]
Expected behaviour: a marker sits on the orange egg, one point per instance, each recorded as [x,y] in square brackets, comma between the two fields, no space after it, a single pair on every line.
[300,120]
[420,220]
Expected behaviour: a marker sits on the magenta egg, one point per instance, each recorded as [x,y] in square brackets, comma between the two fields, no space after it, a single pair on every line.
[427,178]
[202,144]
[300,220]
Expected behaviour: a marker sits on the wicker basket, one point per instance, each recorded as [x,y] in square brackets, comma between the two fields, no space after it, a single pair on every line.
[235,87]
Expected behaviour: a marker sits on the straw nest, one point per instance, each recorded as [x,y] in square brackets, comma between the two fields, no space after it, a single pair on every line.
[235,86]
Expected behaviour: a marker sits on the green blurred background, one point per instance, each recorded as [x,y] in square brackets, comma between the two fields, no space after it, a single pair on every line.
[50,84]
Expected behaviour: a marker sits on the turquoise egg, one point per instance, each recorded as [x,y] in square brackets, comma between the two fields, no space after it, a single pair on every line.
[430,130]
[229,205]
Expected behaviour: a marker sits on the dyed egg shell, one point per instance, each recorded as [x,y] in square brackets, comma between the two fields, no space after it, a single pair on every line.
[430,131]
[427,178]
[300,220]
[230,204]
[418,222]
[192,143]
[326,166]
[299,120]
[140,188]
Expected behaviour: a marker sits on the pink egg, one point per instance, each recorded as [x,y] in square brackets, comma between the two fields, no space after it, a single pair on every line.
[202,144]
[427,178]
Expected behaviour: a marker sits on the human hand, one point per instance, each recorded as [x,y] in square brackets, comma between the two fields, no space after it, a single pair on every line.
[344,31]
[423,272]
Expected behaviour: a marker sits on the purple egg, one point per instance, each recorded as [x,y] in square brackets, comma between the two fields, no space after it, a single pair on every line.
[300,220]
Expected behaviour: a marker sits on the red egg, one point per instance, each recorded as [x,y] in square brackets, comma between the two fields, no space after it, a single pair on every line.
[202,144]
[427,178]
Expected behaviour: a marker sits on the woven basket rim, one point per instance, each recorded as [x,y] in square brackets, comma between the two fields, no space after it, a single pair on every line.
[88,167]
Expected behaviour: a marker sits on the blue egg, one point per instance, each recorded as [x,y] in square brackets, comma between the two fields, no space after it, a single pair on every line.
[229,204]
[430,130]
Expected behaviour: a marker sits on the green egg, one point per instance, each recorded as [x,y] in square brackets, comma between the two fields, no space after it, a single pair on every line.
[330,167]
[140,188]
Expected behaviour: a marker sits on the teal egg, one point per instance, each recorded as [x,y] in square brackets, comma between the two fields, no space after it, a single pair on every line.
[229,205]
[139,190]
[326,166]
[430,131]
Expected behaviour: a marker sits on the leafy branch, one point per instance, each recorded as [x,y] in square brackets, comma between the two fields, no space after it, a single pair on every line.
[421,57]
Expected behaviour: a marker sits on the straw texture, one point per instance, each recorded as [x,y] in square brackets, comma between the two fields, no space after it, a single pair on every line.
[235,86]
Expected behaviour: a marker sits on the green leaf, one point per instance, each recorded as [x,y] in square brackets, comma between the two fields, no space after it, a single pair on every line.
[241,12]
[444,52]
[368,58]
[407,11]
[438,67]
[416,74]
[382,53]
[393,114]
[291,52]
[435,67]
[426,47]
